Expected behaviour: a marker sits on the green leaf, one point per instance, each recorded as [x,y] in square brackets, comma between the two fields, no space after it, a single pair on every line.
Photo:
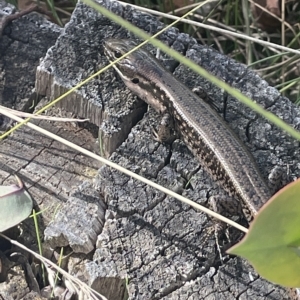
[272,244]
[15,205]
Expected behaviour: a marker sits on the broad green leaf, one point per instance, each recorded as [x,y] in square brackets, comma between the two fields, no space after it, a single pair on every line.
[15,205]
[272,244]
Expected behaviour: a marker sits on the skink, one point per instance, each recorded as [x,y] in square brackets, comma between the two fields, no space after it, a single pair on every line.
[204,132]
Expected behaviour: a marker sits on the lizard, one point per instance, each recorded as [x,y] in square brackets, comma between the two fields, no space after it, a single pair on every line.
[205,133]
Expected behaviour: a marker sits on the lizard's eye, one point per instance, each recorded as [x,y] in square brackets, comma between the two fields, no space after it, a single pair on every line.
[135,80]
[118,54]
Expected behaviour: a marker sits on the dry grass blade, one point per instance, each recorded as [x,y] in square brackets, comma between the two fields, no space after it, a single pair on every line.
[129,173]
[33,116]
[78,285]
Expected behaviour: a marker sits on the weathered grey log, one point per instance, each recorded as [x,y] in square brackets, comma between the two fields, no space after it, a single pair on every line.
[79,222]
[23,35]
[49,170]
[153,240]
